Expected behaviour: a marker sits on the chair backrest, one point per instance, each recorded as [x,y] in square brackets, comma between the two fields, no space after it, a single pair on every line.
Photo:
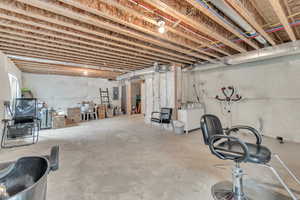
[210,126]
[25,108]
[166,114]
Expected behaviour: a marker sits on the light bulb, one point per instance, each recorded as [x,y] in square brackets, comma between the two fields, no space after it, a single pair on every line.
[85,73]
[161,26]
[161,29]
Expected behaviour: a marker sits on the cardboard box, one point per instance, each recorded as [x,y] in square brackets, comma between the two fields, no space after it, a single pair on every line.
[110,112]
[101,111]
[74,114]
[70,123]
[59,121]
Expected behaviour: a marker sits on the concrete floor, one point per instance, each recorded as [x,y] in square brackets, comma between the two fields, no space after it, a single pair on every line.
[117,158]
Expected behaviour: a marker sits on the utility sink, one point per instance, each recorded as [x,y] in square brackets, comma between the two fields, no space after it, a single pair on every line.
[26,178]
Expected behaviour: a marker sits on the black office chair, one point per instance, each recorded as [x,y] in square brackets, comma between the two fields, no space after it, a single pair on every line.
[23,128]
[227,147]
[162,117]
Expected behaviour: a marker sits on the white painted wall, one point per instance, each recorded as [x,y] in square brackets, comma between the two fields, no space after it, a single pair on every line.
[62,92]
[6,66]
[271,91]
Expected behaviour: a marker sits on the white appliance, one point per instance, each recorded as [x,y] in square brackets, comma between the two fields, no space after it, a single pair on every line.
[191,118]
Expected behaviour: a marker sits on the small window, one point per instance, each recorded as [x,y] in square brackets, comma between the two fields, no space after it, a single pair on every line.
[14,89]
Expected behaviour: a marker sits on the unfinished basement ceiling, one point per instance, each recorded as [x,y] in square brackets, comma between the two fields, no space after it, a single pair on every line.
[122,35]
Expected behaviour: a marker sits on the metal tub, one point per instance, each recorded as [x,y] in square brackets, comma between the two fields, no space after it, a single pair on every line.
[26,179]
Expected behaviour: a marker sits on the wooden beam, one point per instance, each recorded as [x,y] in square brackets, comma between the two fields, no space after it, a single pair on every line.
[194,36]
[93,48]
[70,69]
[249,18]
[289,13]
[260,13]
[204,44]
[278,9]
[62,72]
[168,9]
[222,23]
[16,52]
[127,44]
[64,49]
[112,15]
[33,49]
[30,37]
[63,11]
[54,67]
[71,61]
[51,64]
[47,72]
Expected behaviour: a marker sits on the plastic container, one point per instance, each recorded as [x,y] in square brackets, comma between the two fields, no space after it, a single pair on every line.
[178,127]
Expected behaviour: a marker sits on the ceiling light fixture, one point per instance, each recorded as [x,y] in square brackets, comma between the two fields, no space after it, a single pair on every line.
[161,26]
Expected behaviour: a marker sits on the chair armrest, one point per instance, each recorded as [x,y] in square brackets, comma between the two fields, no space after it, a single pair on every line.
[155,113]
[37,119]
[217,152]
[249,128]
[6,120]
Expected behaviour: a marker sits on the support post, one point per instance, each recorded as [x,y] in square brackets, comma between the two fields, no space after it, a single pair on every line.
[129,98]
[177,89]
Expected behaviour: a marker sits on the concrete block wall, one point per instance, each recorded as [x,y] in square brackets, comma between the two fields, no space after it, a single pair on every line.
[271,91]
[61,92]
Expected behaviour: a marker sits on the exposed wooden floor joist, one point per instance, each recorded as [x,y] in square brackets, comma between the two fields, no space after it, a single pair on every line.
[12,51]
[109,15]
[19,42]
[76,43]
[51,7]
[89,33]
[222,23]
[123,34]
[121,5]
[66,70]
[249,18]
[190,21]
[282,17]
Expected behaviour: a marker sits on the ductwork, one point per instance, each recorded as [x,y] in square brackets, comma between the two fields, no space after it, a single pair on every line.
[139,73]
[136,74]
[286,49]
[234,16]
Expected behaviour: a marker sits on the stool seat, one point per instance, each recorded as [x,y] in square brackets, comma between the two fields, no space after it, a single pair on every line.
[257,153]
